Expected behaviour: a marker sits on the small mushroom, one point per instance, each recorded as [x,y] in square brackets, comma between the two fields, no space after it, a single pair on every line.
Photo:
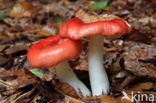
[55,51]
[77,29]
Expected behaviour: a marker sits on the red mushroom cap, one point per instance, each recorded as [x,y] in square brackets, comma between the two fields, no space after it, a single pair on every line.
[77,29]
[52,51]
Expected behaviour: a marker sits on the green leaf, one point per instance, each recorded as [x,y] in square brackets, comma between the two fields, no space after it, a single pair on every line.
[100,5]
[17,6]
[2,16]
[37,72]
[58,19]
[3,13]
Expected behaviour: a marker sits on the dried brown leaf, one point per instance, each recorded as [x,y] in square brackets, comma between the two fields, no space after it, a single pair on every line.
[87,18]
[3,59]
[69,99]
[48,30]
[83,63]
[16,48]
[47,90]
[139,58]
[99,99]
[17,97]
[127,80]
[23,10]
[140,87]
[66,89]
[104,99]
[58,9]
[18,78]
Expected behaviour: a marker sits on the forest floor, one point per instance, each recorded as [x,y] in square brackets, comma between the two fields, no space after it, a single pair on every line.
[130,60]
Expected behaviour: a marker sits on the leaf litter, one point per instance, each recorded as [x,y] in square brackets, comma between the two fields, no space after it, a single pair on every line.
[127,59]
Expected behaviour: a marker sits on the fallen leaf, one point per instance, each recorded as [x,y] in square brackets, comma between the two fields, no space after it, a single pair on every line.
[139,59]
[87,18]
[66,89]
[58,9]
[83,65]
[58,19]
[36,72]
[69,99]
[3,59]
[18,78]
[3,14]
[23,10]
[48,90]
[100,5]
[48,30]
[104,99]
[140,87]
[16,48]
[2,47]
[18,96]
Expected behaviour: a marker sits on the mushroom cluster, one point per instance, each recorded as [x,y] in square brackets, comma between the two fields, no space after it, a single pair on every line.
[55,51]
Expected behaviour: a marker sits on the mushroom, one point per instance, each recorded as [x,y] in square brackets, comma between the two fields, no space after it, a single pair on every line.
[77,29]
[55,51]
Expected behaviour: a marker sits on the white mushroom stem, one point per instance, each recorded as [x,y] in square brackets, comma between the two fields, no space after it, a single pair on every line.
[98,77]
[65,74]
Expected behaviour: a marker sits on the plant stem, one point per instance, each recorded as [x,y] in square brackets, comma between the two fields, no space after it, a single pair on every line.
[65,74]
[98,77]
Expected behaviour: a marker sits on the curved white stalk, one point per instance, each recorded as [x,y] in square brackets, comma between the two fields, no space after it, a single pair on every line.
[65,74]
[98,77]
